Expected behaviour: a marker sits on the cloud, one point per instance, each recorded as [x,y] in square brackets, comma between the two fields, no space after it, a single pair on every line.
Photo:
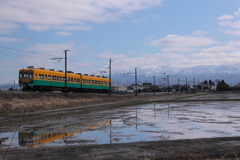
[53,50]
[231,32]
[176,61]
[178,49]
[182,41]
[200,33]
[149,38]
[132,52]
[111,55]
[227,20]
[43,15]
[219,49]
[137,20]
[7,27]
[222,58]
[233,43]
[230,24]
[64,33]
[225,17]
[5,39]
[43,27]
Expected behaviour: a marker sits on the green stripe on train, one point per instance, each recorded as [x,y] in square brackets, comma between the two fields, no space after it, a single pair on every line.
[62,84]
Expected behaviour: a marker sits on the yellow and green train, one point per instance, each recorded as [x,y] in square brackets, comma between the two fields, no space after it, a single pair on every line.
[41,79]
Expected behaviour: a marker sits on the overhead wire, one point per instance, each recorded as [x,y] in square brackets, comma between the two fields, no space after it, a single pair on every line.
[27,51]
[24,56]
[46,55]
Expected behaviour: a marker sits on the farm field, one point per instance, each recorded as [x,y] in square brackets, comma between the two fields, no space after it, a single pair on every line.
[165,126]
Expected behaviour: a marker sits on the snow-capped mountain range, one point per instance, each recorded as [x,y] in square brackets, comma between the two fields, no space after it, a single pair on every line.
[229,73]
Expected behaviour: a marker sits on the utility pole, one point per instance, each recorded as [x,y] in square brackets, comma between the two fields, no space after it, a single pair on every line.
[65,85]
[168,82]
[186,83]
[198,85]
[136,85]
[178,86]
[110,83]
[136,82]
[66,69]
[154,85]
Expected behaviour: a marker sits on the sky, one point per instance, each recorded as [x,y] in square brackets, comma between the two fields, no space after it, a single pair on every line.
[145,34]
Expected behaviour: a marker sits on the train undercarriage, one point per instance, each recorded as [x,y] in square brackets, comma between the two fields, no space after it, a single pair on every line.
[32,88]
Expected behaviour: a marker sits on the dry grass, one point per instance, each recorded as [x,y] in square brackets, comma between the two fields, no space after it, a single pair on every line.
[18,102]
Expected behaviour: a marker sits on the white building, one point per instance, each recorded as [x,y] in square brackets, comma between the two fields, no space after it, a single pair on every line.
[120,88]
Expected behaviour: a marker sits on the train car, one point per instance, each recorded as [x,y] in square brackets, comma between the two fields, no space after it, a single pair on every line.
[42,79]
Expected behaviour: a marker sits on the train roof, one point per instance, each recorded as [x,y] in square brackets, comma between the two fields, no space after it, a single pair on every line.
[61,71]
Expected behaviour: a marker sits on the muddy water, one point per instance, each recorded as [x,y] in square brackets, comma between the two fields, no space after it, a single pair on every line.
[152,122]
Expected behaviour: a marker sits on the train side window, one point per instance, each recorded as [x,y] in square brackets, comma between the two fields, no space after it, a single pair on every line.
[58,78]
[68,79]
[49,77]
[75,79]
[45,76]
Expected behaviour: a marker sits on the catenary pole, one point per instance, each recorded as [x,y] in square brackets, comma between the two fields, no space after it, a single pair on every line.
[66,69]
[154,85]
[136,82]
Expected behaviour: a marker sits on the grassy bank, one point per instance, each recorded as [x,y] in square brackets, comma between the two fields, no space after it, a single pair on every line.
[31,102]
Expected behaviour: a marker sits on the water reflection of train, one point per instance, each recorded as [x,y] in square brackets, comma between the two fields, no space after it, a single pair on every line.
[34,139]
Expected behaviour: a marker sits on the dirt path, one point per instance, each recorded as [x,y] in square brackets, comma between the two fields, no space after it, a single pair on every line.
[213,148]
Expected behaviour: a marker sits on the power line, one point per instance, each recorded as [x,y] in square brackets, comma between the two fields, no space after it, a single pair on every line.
[25,51]
[41,60]
[41,54]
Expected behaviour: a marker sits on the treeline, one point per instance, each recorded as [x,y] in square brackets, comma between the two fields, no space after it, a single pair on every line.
[221,85]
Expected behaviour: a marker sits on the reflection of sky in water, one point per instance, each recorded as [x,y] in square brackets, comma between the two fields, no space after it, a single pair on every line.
[158,122]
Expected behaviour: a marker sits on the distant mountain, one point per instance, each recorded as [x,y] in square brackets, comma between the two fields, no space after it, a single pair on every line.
[7,86]
[229,73]
[8,81]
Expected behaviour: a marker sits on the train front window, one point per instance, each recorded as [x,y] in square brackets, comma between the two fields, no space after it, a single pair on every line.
[26,75]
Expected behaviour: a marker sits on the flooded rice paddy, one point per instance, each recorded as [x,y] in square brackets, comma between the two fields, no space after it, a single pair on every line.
[152,122]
